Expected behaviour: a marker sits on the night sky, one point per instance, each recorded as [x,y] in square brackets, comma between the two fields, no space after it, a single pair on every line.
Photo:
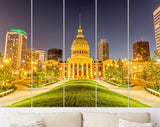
[142,23]
[85,8]
[14,14]
[48,24]
[112,23]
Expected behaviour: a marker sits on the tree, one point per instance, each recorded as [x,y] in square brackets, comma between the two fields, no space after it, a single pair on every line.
[122,70]
[157,54]
[38,72]
[152,70]
[6,73]
[145,74]
[111,70]
[56,71]
[52,69]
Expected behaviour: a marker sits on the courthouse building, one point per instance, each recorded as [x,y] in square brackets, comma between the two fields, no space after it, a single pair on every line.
[80,65]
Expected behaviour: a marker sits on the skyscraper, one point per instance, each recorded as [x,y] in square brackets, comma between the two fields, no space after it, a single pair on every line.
[16,42]
[103,50]
[141,51]
[55,54]
[42,56]
[156,15]
[35,58]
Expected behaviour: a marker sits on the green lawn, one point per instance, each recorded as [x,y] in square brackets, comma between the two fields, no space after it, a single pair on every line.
[79,93]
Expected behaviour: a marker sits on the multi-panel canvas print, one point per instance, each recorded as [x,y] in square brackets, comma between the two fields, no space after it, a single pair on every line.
[47,42]
[112,54]
[79,53]
[144,52]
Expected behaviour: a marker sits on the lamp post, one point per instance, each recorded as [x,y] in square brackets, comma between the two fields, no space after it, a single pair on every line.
[123,64]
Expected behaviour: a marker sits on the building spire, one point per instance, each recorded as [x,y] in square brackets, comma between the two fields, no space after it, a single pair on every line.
[80,35]
[79,20]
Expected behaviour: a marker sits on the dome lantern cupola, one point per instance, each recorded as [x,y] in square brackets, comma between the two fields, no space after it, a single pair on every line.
[80,35]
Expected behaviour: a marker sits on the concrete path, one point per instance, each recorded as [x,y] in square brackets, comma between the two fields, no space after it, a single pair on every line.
[137,92]
[24,92]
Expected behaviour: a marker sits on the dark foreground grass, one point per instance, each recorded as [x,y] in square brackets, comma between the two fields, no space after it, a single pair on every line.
[79,93]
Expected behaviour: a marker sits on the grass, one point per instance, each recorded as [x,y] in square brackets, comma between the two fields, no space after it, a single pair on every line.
[79,93]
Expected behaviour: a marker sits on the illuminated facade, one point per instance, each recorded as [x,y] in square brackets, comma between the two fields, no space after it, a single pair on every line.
[35,59]
[55,54]
[16,42]
[141,52]
[42,56]
[80,65]
[156,15]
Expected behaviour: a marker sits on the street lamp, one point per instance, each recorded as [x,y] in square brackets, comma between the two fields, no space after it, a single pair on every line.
[6,61]
[158,60]
[1,66]
[135,67]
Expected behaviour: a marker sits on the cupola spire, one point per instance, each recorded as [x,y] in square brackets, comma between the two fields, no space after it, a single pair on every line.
[79,20]
[80,35]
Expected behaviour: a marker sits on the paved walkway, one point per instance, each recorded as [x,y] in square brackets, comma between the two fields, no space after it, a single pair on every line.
[137,92]
[24,92]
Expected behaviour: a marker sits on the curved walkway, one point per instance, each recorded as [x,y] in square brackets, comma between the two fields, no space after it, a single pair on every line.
[137,92]
[24,92]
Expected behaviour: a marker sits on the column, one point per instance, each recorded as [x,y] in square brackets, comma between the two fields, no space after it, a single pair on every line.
[91,70]
[69,70]
[77,69]
[73,70]
[87,70]
[82,70]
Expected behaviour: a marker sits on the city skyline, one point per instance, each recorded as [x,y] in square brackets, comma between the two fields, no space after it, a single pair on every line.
[103,26]
[80,80]
[142,23]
